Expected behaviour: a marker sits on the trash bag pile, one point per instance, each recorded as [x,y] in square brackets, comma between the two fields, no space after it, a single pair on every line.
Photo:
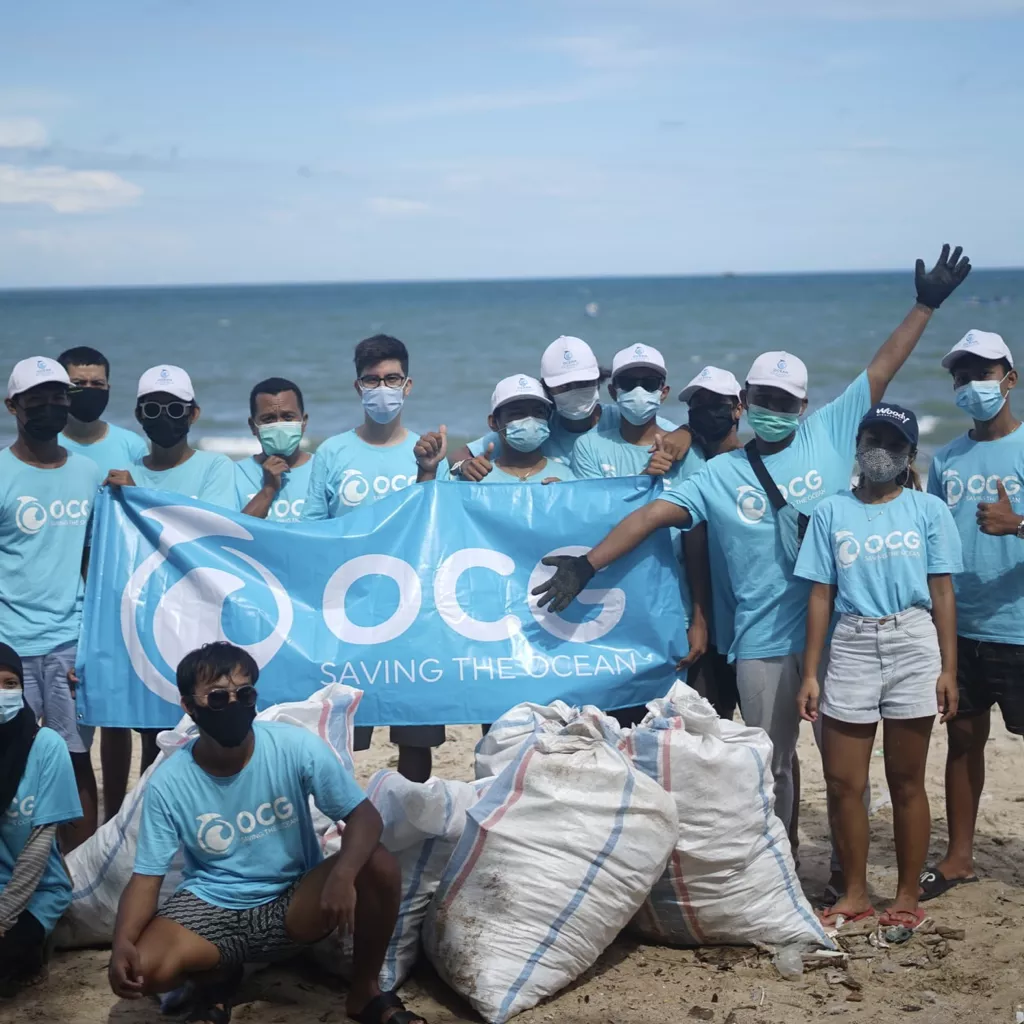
[574,830]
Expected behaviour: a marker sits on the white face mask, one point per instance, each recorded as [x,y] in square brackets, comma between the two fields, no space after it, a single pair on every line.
[577,404]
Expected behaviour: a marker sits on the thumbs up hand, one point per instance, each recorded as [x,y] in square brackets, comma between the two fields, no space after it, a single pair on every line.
[430,449]
[660,462]
[998,519]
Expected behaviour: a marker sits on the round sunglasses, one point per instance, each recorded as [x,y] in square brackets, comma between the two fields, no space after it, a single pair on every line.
[153,410]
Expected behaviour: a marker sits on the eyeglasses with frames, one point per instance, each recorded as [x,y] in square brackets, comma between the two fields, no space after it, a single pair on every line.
[219,699]
[154,410]
[392,380]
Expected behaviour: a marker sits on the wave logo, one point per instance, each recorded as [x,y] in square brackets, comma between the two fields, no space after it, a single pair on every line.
[164,374]
[847,548]
[354,488]
[781,368]
[751,503]
[640,352]
[30,516]
[190,610]
[214,835]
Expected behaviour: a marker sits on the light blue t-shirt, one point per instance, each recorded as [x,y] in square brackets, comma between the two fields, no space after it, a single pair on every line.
[990,590]
[248,837]
[606,453]
[206,476]
[44,519]
[879,557]
[556,470]
[771,603]
[560,444]
[349,472]
[47,795]
[120,449]
[287,506]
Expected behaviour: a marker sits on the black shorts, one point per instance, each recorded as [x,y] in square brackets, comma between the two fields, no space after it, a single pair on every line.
[714,678]
[403,735]
[989,673]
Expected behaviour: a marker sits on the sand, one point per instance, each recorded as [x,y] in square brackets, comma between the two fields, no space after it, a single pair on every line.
[976,979]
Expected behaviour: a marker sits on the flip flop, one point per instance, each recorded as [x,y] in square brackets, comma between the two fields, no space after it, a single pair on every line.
[910,920]
[934,883]
[831,919]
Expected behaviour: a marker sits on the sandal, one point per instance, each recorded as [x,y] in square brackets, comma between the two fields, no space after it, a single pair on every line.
[833,919]
[910,920]
[934,883]
[374,1011]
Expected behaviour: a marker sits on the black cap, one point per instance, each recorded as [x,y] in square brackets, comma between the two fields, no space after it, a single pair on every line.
[895,416]
[9,659]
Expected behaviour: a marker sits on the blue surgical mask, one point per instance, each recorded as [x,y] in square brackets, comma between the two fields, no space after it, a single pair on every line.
[980,399]
[383,404]
[280,438]
[11,703]
[527,434]
[772,426]
[638,406]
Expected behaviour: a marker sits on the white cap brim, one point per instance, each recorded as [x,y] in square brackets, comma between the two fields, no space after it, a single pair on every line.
[574,376]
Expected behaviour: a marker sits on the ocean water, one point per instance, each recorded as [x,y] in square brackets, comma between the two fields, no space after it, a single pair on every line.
[464,336]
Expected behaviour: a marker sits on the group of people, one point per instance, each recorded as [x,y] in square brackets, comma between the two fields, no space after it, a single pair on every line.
[807,594]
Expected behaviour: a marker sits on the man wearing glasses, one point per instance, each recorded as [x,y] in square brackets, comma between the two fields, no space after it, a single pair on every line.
[256,887]
[166,409]
[377,458]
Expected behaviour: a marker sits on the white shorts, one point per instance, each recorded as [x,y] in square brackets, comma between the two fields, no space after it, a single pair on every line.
[882,668]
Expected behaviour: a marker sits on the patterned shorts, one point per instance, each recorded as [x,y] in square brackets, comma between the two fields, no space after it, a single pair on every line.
[253,936]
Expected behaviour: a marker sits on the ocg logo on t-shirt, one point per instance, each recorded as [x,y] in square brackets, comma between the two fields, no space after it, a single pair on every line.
[32,515]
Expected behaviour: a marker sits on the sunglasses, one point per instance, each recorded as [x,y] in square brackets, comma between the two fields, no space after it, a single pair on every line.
[154,410]
[649,382]
[218,700]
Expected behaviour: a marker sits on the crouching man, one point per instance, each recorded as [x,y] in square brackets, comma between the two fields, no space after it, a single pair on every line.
[255,888]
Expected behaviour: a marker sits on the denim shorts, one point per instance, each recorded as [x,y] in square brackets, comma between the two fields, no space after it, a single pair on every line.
[882,668]
[48,694]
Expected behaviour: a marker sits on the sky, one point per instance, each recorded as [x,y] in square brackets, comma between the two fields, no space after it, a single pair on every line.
[172,142]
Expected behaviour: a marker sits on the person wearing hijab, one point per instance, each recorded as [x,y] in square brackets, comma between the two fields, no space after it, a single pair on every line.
[37,793]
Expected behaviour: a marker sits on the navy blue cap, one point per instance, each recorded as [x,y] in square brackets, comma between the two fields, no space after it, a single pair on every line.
[896,416]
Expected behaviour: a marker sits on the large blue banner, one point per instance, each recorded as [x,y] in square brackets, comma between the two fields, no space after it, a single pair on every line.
[421,600]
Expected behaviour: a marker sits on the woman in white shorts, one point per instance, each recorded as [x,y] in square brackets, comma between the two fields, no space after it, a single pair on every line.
[881,556]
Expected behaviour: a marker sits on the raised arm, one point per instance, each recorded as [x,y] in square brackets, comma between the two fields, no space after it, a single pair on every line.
[933,288]
[574,572]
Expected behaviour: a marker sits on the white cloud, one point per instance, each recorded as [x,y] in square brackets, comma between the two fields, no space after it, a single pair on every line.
[387,206]
[606,52]
[22,133]
[65,191]
[480,102]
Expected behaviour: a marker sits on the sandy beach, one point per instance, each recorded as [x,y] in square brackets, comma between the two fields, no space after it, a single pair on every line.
[940,980]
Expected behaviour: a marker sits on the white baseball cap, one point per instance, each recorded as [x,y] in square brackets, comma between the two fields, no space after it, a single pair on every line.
[32,372]
[171,380]
[638,355]
[779,370]
[568,360]
[983,344]
[517,386]
[711,378]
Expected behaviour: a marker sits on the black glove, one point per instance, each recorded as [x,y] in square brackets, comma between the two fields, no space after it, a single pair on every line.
[574,573]
[937,284]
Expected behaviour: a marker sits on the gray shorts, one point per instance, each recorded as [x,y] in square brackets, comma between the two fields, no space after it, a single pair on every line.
[253,936]
[882,668]
[403,735]
[48,694]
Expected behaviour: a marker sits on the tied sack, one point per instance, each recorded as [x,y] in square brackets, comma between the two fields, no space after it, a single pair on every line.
[553,862]
[422,824]
[507,735]
[730,879]
[101,867]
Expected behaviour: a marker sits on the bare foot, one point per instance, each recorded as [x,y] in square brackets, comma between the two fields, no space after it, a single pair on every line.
[849,907]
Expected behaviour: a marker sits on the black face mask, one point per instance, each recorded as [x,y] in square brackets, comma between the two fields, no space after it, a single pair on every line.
[712,422]
[229,727]
[45,422]
[166,432]
[87,404]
